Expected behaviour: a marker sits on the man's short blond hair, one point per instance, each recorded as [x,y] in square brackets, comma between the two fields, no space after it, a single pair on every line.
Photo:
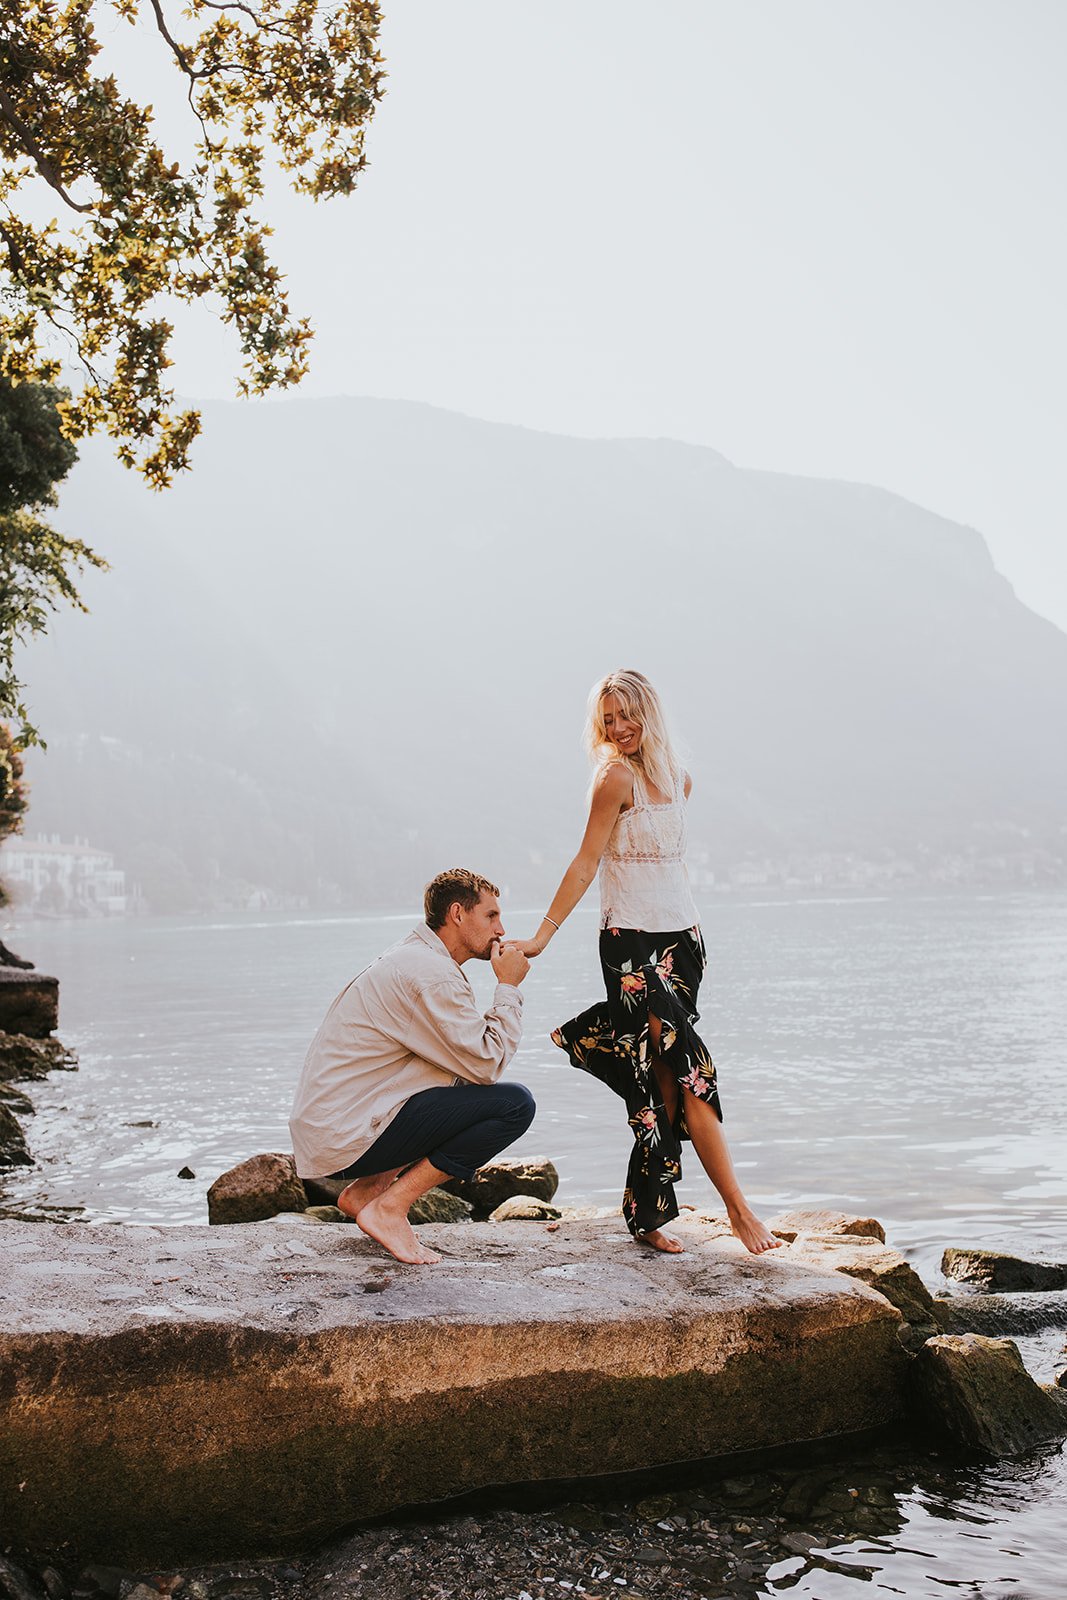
[448,888]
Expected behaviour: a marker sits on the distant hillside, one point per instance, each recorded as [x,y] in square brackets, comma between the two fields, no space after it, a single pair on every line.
[354,645]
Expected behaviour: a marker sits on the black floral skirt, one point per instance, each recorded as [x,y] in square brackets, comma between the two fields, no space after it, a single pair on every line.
[658,975]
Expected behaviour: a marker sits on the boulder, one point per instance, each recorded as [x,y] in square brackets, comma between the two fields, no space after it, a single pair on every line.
[1001,1314]
[23,1059]
[992,1269]
[790,1223]
[323,1191]
[439,1206]
[16,1100]
[260,1187]
[436,1206]
[983,1396]
[174,1395]
[497,1182]
[880,1266]
[29,1002]
[525,1208]
[13,1148]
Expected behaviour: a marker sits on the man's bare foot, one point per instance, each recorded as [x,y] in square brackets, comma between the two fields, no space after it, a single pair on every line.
[388,1226]
[352,1200]
[753,1234]
[658,1240]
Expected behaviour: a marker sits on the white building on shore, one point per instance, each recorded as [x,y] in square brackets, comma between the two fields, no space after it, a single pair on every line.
[63,880]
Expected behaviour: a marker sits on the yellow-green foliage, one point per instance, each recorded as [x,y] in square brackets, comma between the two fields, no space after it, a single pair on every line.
[38,565]
[292,81]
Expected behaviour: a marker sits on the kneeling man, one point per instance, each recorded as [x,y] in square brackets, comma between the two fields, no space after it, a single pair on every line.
[399,1091]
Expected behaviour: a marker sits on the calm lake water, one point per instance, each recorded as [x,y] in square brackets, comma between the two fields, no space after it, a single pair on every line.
[905,1058]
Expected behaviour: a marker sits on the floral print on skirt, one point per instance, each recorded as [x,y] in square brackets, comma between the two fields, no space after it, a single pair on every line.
[647,974]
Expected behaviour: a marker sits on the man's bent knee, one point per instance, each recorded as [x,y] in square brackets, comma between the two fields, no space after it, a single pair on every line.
[519,1105]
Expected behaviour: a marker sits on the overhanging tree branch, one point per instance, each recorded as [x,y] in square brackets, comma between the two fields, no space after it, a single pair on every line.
[295,82]
[44,166]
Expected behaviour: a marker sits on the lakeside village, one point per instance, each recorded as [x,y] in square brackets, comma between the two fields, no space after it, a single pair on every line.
[49,877]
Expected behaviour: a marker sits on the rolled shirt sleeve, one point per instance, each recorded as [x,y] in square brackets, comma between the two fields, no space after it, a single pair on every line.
[447,1029]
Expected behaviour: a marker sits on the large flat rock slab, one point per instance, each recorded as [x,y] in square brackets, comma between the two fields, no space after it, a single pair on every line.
[169,1394]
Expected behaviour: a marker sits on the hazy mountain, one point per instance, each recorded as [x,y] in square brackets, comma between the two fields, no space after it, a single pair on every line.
[354,644]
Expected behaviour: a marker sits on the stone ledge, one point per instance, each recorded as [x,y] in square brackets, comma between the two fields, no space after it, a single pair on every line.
[883,1268]
[996,1271]
[192,1393]
[29,1002]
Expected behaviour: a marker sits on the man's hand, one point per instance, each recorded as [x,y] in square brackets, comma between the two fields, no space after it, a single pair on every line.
[509,963]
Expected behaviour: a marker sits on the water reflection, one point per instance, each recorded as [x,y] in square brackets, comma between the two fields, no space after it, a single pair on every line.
[948,1524]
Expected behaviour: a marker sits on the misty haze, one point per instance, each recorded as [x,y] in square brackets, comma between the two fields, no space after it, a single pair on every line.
[356,642]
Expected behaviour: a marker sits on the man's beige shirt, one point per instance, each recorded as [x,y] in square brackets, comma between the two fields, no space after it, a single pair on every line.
[408,1022]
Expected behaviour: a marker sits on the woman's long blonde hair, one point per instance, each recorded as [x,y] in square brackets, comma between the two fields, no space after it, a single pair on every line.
[656,759]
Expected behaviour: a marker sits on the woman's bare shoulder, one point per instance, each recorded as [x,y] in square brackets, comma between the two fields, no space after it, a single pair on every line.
[615,781]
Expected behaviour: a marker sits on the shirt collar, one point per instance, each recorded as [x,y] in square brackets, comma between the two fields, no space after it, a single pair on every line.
[435,942]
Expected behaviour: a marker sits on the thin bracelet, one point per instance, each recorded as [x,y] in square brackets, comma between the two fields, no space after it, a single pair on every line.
[547,918]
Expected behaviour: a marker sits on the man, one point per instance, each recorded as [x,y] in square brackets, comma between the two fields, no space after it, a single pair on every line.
[398,1091]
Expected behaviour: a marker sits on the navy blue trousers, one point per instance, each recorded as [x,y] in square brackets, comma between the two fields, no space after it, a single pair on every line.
[459,1128]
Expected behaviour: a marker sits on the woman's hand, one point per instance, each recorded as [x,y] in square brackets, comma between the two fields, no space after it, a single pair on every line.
[529,947]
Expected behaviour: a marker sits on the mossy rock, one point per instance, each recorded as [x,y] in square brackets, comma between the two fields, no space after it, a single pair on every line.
[23,1059]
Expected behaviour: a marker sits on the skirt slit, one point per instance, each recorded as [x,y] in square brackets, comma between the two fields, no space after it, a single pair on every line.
[647,974]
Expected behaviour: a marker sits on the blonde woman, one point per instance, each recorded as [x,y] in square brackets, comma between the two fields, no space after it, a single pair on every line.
[642,1041]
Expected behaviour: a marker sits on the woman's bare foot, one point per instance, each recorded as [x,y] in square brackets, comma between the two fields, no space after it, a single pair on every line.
[753,1234]
[658,1240]
[352,1200]
[387,1224]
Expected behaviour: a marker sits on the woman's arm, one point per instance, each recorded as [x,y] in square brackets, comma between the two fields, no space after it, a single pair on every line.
[613,790]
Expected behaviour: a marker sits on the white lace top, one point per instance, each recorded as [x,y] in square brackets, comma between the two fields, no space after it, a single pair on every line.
[644,882]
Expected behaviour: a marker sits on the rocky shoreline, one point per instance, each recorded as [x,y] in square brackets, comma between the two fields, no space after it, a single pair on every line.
[721,1529]
[29,1007]
[697,1533]
[265,1386]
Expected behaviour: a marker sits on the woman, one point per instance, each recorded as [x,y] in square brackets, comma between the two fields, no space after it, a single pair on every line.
[641,1041]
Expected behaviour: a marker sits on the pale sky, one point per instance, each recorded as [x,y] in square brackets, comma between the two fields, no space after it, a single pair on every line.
[822,236]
